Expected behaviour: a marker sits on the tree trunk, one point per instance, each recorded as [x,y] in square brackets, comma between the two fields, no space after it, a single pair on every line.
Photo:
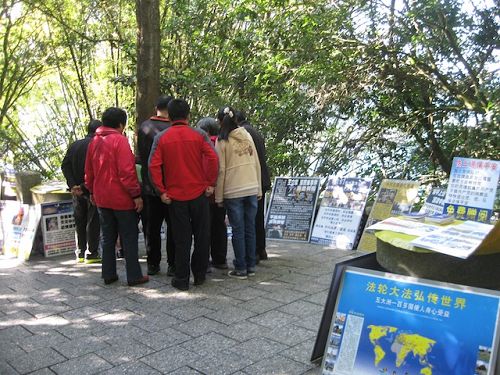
[148,58]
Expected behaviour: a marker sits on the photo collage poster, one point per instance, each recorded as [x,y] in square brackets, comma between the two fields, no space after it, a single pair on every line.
[58,228]
[395,197]
[390,324]
[472,189]
[291,208]
[340,212]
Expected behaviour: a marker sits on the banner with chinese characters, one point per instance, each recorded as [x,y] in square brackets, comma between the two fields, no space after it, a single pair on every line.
[291,208]
[391,324]
[394,198]
[18,225]
[340,212]
[58,228]
[472,188]
[434,204]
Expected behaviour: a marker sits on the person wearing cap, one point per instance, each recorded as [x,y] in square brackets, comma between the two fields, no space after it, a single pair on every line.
[155,211]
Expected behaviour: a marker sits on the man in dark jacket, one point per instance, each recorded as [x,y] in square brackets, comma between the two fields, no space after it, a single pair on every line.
[260,232]
[85,213]
[155,211]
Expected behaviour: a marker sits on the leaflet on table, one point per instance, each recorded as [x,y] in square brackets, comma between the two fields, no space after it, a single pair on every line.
[455,240]
[413,228]
[391,324]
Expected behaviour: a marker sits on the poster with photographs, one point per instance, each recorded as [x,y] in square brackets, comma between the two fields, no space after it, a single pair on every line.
[395,197]
[472,189]
[391,324]
[18,226]
[291,208]
[434,204]
[58,228]
[340,212]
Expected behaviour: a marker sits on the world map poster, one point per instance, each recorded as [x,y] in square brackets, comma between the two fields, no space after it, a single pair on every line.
[398,325]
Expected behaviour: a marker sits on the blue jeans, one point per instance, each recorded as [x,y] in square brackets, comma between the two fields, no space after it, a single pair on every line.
[123,222]
[241,213]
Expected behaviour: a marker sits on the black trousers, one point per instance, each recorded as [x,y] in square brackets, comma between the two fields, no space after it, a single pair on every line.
[218,234]
[190,218]
[260,231]
[154,213]
[87,225]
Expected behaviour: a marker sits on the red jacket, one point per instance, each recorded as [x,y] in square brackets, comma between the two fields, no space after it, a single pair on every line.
[110,173]
[183,162]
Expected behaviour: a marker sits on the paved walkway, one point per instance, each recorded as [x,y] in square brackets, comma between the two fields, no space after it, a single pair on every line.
[59,317]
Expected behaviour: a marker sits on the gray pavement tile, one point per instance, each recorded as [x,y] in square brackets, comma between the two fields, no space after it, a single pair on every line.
[286,295]
[43,371]
[231,315]
[129,331]
[190,311]
[221,363]
[15,319]
[80,329]
[83,313]
[318,298]
[260,305]
[289,334]
[310,287]
[300,353]
[83,300]
[273,319]
[218,301]
[9,351]
[123,350]
[246,294]
[81,346]
[258,348]
[132,368]
[243,331]
[42,311]
[36,360]
[16,307]
[14,333]
[185,370]
[294,277]
[309,322]
[117,318]
[277,365]
[86,365]
[45,324]
[170,359]
[118,304]
[42,340]
[314,371]
[6,369]
[209,344]
[301,308]
[199,326]
[163,339]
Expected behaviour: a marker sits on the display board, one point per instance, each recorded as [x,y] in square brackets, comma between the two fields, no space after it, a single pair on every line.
[58,228]
[392,324]
[340,212]
[394,198]
[434,204]
[291,208]
[18,225]
[472,188]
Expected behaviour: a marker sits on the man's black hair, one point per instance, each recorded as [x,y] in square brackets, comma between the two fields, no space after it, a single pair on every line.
[162,102]
[93,125]
[113,117]
[209,125]
[178,109]
[240,116]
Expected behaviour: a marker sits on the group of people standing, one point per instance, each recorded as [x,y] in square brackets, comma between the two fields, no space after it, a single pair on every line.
[189,177]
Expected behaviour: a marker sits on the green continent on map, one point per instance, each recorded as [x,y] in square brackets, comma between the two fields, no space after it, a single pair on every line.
[376,333]
[402,345]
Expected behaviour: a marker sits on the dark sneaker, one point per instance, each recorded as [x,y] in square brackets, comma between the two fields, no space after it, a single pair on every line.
[179,284]
[199,280]
[153,269]
[237,275]
[142,280]
[222,266]
[92,258]
[119,254]
[111,280]
[171,271]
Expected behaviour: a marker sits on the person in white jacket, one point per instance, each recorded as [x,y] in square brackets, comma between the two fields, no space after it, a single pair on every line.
[238,188]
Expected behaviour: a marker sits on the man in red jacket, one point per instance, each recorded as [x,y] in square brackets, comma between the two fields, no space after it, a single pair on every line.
[111,178]
[183,167]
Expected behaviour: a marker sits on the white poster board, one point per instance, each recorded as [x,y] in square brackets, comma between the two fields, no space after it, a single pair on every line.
[58,228]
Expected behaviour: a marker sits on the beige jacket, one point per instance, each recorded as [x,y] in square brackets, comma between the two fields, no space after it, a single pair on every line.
[239,167]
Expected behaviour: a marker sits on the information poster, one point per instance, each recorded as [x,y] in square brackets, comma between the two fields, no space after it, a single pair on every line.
[394,198]
[58,227]
[391,324]
[291,208]
[18,225]
[472,188]
[434,204]
[340,212]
